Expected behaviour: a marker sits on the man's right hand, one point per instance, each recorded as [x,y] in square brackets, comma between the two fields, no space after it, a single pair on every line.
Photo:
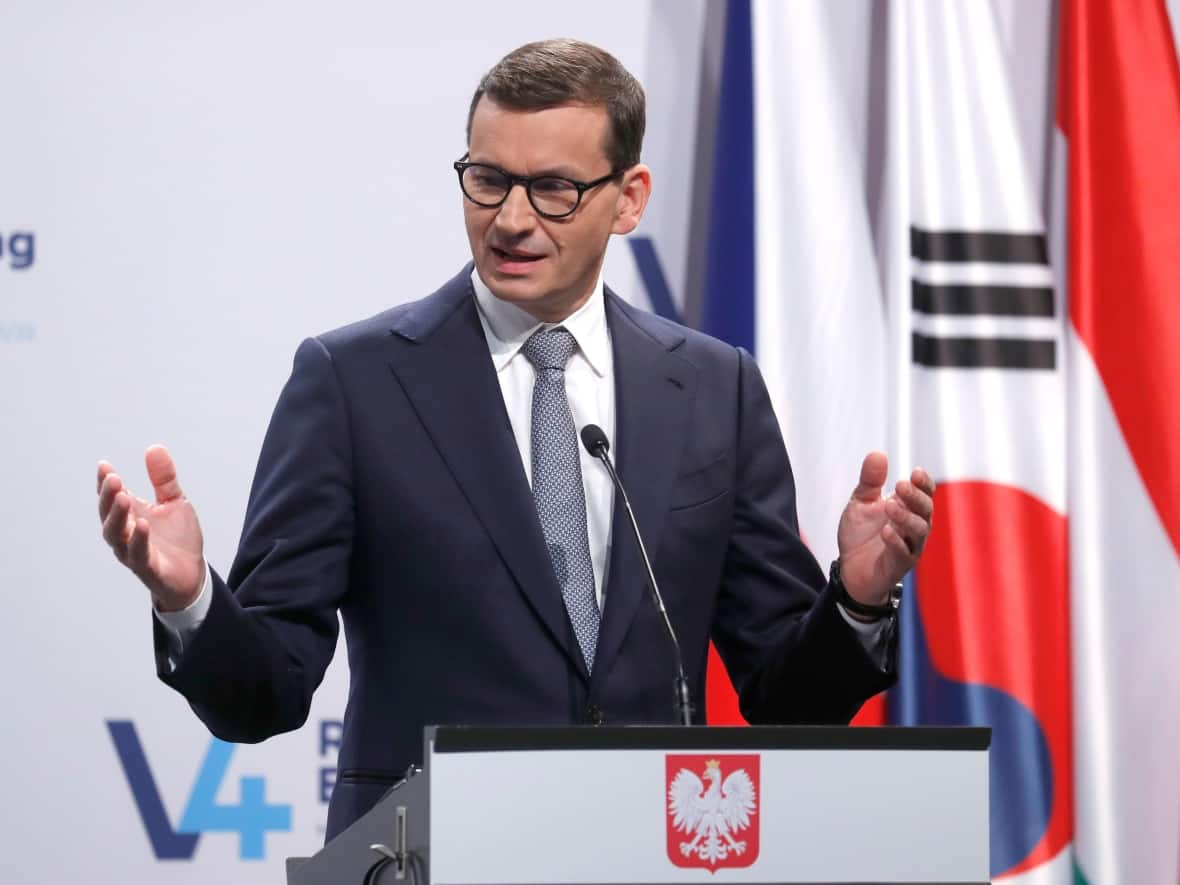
[160,542]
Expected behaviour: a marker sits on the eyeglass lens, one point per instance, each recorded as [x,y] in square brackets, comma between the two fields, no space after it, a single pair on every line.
[550,196]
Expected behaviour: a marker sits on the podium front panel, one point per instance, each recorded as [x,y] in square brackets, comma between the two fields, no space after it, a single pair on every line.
[823,805]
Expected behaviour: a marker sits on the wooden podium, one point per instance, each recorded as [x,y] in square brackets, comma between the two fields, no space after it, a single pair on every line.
[493,806]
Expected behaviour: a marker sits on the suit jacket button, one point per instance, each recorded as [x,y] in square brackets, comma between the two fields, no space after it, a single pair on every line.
[594,715]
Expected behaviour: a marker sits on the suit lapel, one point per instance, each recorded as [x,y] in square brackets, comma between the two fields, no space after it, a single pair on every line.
[447,374]
[654,392]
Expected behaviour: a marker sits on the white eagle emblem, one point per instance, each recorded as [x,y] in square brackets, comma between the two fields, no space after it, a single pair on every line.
[712,815]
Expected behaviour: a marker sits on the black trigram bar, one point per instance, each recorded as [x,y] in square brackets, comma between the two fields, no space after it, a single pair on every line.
[991,246]
[984,353]
[972,300]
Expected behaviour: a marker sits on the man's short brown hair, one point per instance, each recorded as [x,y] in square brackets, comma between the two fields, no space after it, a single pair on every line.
[550,73]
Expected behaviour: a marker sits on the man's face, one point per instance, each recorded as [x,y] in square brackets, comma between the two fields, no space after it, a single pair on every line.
[548,266]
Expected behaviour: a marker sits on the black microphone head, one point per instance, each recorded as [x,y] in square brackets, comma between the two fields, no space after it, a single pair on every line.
[595,440]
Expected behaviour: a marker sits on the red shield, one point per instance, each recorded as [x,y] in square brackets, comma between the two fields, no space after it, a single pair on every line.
[713,806]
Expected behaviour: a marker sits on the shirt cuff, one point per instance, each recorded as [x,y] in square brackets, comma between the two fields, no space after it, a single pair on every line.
[872,636]
[181,626]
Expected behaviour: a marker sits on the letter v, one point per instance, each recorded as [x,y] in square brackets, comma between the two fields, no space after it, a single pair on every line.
[166,842]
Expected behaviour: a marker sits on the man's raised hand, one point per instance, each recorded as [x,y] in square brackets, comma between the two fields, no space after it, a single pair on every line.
[160,542]
[880,539]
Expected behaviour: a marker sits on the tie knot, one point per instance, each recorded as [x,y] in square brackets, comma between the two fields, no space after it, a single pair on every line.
[550,348]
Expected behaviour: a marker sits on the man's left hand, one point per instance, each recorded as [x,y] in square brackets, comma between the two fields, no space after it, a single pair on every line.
[880,539]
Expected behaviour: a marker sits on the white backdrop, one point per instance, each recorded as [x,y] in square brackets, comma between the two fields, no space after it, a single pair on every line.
[205,185]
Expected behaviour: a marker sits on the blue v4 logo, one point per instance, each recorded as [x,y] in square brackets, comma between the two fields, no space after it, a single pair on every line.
[252,818]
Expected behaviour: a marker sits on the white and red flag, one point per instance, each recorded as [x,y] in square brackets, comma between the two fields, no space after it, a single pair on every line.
[1119,110]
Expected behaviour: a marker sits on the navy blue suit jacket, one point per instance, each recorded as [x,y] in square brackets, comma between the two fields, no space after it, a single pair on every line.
[390,489]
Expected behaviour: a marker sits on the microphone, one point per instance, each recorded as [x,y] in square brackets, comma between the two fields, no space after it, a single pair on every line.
[597,445]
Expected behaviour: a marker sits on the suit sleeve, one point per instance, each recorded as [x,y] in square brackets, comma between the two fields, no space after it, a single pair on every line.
[788,650]
[271,629]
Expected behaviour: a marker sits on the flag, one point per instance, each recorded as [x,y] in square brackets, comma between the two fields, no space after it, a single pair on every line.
[1119,110]
[975,349]
[1043,606]
[791,270]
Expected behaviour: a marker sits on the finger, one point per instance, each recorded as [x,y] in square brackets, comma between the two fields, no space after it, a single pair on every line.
[107,490]
[162,473]
[915,499]
[138,549]
[105,469]
[923,480]
[911,527]
[115,528]
[873,473]
[112,486]
[898,549]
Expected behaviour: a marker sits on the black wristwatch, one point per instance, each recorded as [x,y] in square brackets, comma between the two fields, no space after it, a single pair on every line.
[888,610]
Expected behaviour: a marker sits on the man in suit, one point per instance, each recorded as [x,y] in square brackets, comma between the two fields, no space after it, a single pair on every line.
[422,477]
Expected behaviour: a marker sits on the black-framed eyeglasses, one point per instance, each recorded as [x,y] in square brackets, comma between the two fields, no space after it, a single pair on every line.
[551,195]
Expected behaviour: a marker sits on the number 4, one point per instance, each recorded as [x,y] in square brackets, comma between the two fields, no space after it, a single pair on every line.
[251,818]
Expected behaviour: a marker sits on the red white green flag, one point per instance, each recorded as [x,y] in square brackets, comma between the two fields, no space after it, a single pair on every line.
[1119,110]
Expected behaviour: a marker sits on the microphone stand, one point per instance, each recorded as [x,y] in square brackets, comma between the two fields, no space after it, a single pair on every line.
[594,439]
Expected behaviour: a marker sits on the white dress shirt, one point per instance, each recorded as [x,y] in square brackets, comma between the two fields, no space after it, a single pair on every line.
[589,387]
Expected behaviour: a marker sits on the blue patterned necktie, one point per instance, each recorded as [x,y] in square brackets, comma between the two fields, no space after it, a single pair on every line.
[557,483]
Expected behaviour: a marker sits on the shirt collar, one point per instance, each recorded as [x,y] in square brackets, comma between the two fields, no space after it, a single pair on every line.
[507,327]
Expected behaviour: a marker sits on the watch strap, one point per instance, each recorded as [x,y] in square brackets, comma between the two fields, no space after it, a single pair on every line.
[844,598]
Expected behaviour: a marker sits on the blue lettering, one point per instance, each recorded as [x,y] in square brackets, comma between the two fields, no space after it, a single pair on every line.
[22,251]
[251,818]
[17,332]
[167,844]
[327,783]
[331,731]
